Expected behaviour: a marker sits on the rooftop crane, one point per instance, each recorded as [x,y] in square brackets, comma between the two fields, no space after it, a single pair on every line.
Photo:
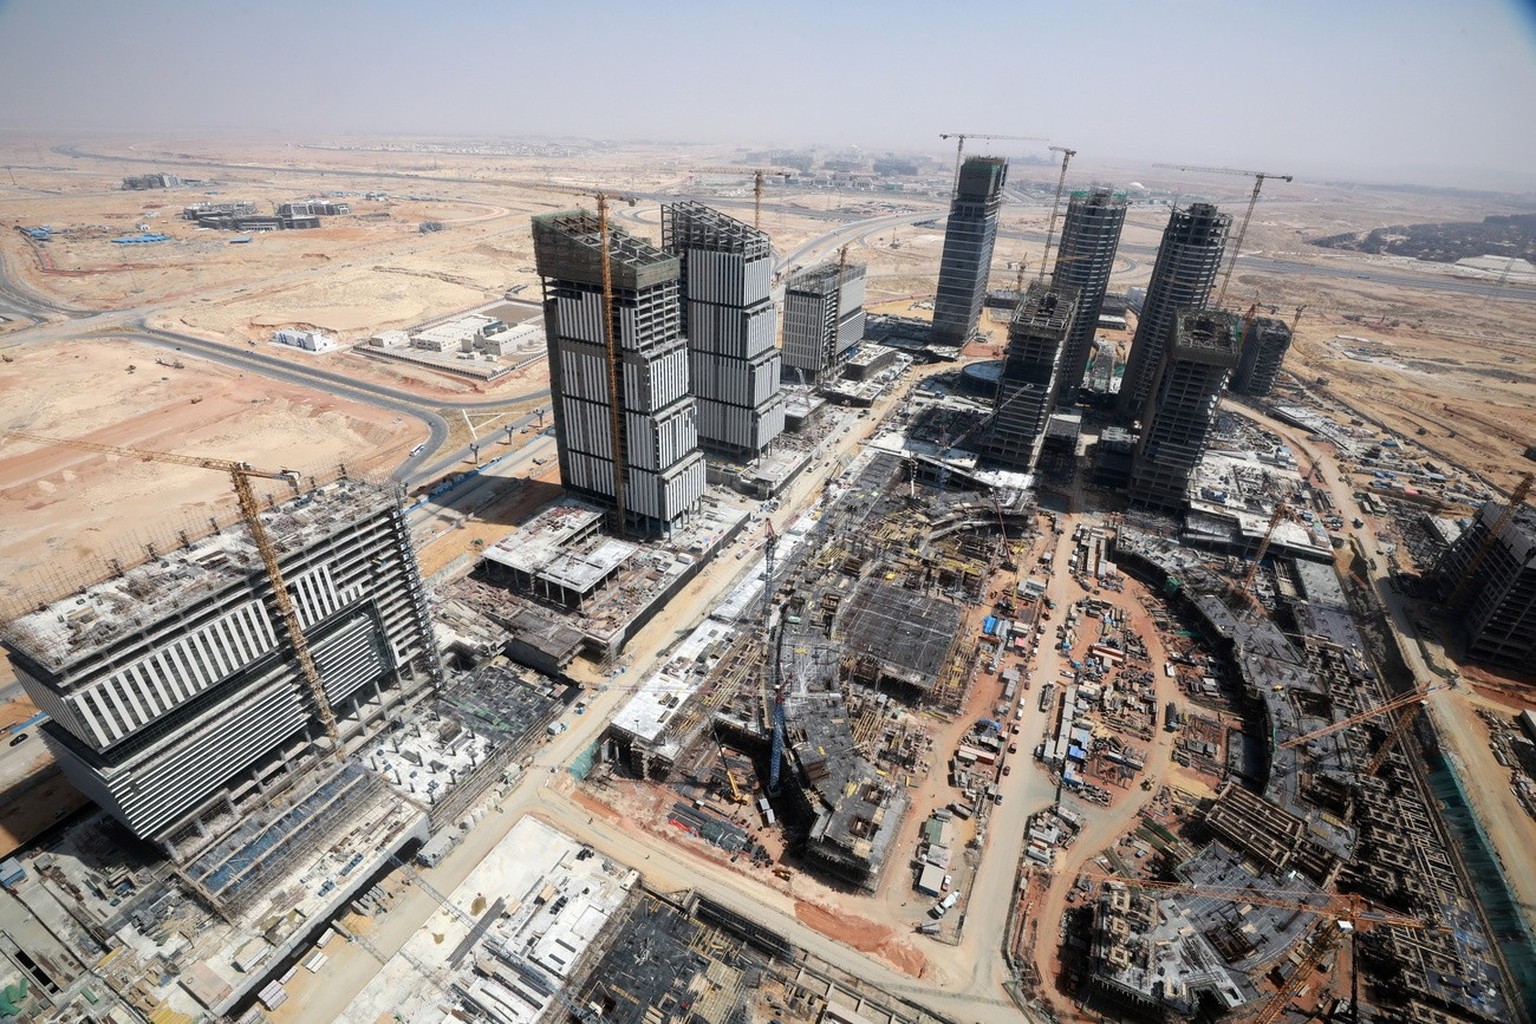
[1516,500]
[960,147]
[240,476]
[1258,184]
[1061,183]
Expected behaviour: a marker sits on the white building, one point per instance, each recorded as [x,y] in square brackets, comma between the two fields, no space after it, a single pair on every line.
[823,320]
[458,335]
[309,341]
[728,317]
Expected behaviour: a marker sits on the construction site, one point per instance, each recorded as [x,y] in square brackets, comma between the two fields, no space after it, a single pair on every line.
[960,700]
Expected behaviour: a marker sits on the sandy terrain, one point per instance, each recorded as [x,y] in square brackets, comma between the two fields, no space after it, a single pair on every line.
[65,510]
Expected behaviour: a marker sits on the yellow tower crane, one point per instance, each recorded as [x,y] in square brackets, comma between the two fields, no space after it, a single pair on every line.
[758,174]
[960,138]
[610,333]
[1406,700]
[1253,199]
[240,476]
[1245,588]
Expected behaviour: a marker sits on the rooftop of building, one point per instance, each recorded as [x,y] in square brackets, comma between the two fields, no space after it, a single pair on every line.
[548,547]
[568,247]
[1207,335]
[691,225]
[456,329]
[549,901]
[823,278]
[1099,195]
[75,627]
[1045,307]
[279,875]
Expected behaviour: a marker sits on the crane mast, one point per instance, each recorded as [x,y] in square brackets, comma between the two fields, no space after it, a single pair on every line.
[1253,199]
[1061,183]
[960,148]
[240,474]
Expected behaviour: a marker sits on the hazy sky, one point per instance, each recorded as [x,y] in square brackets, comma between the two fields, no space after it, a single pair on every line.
[1438,91]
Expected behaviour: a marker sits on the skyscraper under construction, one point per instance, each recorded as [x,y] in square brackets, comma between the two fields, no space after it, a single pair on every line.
[1084,261]
[728,318]
[1265,343]
[823,320]
[968,240]
[1041,324]
[650,425]
[1187,262]
[1201,353]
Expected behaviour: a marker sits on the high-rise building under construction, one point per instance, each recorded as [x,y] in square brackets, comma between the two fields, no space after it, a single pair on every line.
[1187,262]
[1084,260]
[1500,613]
[652,429]
[175,700]
[1037,336]
[968,240]
[823,320]
[1201,353]
[1265,342]
[728,318]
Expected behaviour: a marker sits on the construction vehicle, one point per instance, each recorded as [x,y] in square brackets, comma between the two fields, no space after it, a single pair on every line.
[960,147]
[240,475]
[1258,184]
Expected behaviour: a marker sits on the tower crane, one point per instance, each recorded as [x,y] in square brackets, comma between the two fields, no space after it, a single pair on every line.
[774,665]
[610,338]
[960,147]
[240,476]
[1364,716]
[1516,500]
[1258,184]
[758,174]
[1061,183]
[1245,589]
